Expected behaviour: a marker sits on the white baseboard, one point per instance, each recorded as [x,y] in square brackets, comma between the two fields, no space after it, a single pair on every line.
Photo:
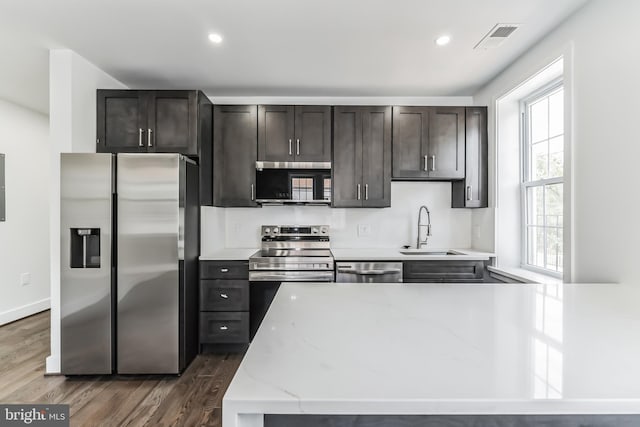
[24,311]
[52,365]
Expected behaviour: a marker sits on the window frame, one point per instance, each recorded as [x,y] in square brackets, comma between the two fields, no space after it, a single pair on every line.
[525,184]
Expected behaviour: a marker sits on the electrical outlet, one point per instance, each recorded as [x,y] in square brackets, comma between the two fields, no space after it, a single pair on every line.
[25,279]
[364,230]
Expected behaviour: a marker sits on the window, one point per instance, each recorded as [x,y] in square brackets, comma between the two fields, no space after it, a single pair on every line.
[542,180]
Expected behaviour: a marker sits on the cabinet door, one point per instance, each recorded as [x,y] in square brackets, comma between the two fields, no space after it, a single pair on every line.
[376,157]
[443,271]
[446,143]
[235,132]
[276,133]
[410,142]
[121,121]
[205,149]
[472,192]
[172,122]
[313,133]
[347,157]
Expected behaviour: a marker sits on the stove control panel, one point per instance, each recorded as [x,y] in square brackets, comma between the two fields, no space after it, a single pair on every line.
[294,230]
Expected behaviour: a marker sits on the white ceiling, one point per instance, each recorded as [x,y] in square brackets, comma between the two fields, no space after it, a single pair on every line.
[271,47]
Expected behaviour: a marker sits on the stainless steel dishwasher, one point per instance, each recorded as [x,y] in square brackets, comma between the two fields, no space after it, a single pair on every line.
[369,272]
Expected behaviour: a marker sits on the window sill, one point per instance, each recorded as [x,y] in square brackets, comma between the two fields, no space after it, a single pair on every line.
[525,276]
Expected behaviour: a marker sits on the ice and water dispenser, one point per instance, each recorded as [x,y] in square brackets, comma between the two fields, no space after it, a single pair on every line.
[85,248]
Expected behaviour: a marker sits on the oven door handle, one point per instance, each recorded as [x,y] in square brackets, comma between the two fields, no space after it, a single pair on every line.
[370,272]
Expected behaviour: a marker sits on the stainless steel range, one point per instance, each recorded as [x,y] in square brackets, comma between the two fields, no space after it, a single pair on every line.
[293,253]
[290,253]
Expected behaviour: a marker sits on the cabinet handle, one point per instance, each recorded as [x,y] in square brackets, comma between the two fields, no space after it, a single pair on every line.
[433,163]
[252,193]
[224,270]
[290,149]
[225,296]
[366,191]
[298,147]
[223,328]
[426,163]
[358,188]
[149,132]
[469,193]
[140,132]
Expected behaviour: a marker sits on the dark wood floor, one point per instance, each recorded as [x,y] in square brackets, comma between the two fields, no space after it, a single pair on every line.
[193,399]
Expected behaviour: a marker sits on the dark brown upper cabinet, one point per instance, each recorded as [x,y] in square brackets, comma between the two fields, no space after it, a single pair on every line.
[158,121]
[361,172]
[300,133]
[428,143]
[235,150]
[472,192]
[121,121]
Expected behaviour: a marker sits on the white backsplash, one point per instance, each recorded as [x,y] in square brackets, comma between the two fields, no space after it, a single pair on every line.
[379,228]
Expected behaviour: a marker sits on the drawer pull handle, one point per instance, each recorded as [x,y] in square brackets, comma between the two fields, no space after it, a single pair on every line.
[223,328]
[225,296]
[224,270]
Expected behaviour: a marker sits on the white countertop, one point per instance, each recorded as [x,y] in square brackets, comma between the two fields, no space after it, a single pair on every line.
[229,254]
[393,254]
[442,349]
[341,254]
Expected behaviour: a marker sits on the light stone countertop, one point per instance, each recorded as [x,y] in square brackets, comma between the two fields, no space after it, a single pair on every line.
[441,349]
[341,254]
[393,254]
[229,255]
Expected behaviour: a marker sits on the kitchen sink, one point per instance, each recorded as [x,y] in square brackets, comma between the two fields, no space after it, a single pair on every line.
[427,252]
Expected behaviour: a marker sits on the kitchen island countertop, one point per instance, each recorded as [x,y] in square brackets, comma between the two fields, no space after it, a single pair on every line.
[441,349]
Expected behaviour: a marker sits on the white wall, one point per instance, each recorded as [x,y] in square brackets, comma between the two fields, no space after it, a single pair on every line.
[72,111]
[24,237]
[602,65]
[389,227]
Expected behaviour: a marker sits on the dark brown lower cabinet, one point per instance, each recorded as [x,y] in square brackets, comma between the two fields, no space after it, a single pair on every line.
[497,420]
[224,303]
[445,271]
[224,328]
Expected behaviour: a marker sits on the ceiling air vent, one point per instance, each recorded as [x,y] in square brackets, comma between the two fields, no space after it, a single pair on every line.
[496,36]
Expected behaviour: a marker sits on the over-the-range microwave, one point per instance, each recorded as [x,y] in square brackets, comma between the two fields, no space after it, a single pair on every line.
[304,183]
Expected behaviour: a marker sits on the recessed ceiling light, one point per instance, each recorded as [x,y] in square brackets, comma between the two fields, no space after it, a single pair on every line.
[443,40]
[215,38]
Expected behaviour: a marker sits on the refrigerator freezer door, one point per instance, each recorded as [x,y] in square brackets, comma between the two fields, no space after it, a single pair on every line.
[148,263]
[85,263]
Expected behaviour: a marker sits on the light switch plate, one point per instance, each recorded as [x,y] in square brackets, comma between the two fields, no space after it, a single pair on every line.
[25,279]
[364,230]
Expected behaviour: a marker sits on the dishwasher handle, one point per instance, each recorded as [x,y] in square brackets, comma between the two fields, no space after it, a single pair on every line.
[370,272]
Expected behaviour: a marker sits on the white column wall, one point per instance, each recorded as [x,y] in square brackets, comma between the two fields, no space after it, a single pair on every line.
[73,82]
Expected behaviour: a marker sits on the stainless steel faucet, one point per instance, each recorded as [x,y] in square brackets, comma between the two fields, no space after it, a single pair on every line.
[422,243]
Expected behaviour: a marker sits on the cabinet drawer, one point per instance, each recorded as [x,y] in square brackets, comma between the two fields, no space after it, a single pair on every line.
[224,328]
[443,271]
[224,270]
[224,295]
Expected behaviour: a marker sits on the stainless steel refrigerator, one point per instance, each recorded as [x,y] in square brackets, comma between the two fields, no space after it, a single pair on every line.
[128,273]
